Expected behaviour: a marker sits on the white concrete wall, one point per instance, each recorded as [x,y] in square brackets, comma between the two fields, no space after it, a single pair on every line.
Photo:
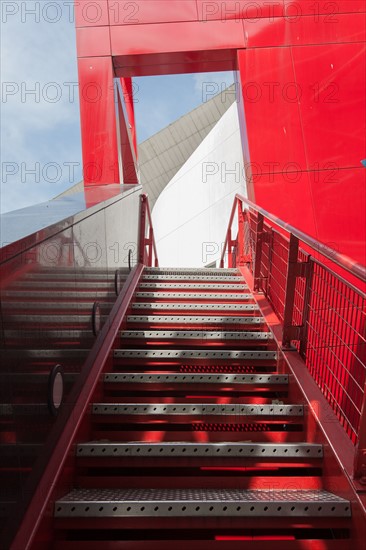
[192,213]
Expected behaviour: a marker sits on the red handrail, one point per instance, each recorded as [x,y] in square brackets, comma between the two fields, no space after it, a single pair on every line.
[53,458]
[321,313]
[146,257]
[349,265]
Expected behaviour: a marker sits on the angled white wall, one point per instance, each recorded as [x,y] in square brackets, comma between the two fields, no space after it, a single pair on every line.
[192,213]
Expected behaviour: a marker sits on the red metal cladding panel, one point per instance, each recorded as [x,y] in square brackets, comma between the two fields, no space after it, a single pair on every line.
[243,9]
[333,109]
[125,12]
[93,42]
[297,8]
[98,121]
[270,97]
[336,194]
[284,31]
[176,37]
[289,196]
[91,14]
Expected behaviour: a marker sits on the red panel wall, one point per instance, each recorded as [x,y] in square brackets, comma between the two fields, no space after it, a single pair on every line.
[305,121]
[301,68]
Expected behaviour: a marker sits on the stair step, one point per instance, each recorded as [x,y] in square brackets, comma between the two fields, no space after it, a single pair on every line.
[195,335]
[271,540]
[221,272]
[200,503]
[195,286]
[196,409]
[229,450]
[195,320]
[182,379]
[192,296]
[196,354]
[178,277]
[200,307]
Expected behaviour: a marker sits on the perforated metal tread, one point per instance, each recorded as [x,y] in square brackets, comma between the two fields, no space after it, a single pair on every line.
[196,409]
[195,354]
[200,502]
[200,307]
[180,378]
[193,296]
[182,449]
[195,335]
[195,320]
[221,272]
[213,278]
[195,286]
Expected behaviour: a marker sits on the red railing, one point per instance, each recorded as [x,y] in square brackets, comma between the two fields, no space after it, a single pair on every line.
[147,247]
[48,475]
[323,314]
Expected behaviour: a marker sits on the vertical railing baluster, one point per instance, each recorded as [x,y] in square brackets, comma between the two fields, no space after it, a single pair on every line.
[360,451]
[292,272]
[258,252]
[306,310]
[142,235]
[240,240]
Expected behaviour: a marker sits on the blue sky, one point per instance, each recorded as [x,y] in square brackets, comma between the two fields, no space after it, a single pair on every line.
[40,131]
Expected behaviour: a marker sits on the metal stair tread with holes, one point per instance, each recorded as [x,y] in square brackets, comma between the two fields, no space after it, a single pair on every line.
[195,354]
[196,335]
[208,437]
[196,409]
[210,502]
[179,378]
[184,449]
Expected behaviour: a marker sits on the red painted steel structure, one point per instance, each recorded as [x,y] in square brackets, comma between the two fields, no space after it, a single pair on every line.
[323,316]
[301,88]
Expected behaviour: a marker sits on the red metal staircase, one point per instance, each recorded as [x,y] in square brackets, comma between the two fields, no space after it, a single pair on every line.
[195,419]
[198,437]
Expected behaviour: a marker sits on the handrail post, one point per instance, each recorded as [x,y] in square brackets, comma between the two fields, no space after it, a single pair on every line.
[230,250]
[295,269]
[306,310]
[288,332]
[142,252]
[360,451]
[258,252]
[240,242]
[150,243]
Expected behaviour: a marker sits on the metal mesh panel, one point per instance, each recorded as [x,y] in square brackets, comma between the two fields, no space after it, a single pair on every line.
[336,346]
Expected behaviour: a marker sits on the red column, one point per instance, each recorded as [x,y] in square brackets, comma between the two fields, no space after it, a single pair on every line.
[98,121]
